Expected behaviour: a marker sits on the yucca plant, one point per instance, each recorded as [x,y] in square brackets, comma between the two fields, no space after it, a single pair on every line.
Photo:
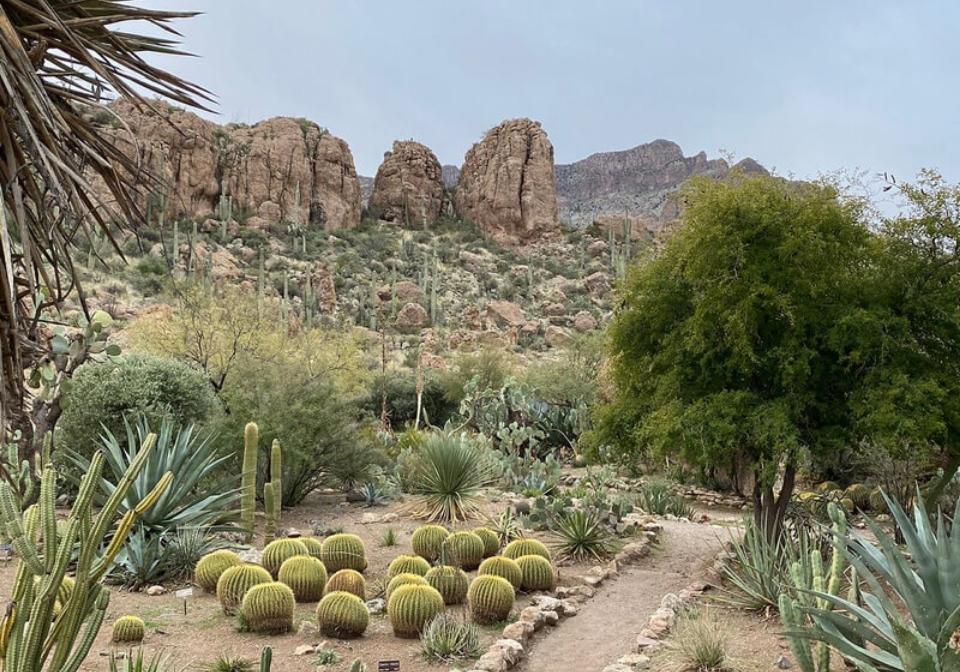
[507,526]
[582,536]
[909,618]
[450,473]
[184,550]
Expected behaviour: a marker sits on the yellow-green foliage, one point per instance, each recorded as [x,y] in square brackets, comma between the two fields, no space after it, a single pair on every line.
[343,551]
[536,573]
[279,551]
[490,599]
[268,608]
[411,607]
[404,580]
[348,581]
[450,582]
[463,549]
[342,615]
[428,540]
[408,564]
[491,542]
[502,567]
[306,577]
[128,629]
[524,546]
[236,581]
[828,486]
[211,566]
[314,546]
[859,494]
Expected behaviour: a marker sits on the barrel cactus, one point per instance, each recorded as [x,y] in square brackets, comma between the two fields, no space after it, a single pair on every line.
[343,551]
[491,542]
[827,487]
[211,566]
[342,615]
[859,494]
[408,564]
[306,577]
[348,581]
[502,567]
[428,540]
[314,546]
[463,549]
[268,608]
[525,546]
[411,607]
[236,581]
[128,630]
[450,582]
[490,599]
[279,551]
[536,573]
[404,580]
[877,502]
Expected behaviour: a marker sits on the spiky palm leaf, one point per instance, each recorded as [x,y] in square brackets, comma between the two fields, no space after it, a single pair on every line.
[58,58]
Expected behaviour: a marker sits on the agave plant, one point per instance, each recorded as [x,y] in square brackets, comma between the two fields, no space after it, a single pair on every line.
[922,583]
[450,473]
[582,536]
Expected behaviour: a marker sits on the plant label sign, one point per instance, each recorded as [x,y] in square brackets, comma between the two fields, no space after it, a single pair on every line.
[185,593]
[388,666]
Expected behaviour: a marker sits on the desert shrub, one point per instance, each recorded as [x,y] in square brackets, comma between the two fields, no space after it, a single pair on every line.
[448,475]
[657,499]
[488,368]
[101,395]
[447,639]
[149,275]
[401,390]
[700,641]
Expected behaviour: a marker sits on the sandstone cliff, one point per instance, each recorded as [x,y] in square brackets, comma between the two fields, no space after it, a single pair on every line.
[408,188]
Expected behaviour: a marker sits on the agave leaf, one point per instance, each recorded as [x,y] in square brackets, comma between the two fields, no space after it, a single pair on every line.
[917,652]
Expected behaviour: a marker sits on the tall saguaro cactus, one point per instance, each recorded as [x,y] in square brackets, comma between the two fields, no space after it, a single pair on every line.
[33,636]
[248,479]
[273,490]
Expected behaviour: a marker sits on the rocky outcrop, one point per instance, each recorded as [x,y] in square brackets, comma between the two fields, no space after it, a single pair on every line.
[451,176]
[635,185]
[279,169]
[408,188]
[507,186]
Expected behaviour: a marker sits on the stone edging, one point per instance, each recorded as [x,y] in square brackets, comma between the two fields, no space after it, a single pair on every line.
[547,610]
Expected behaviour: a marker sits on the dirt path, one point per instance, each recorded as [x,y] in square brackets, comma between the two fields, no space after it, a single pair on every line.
[607,625]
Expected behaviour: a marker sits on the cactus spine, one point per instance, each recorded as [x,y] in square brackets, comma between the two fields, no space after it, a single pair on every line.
[348,581]
[248,479]
[502,567]
[451,582]
[268,608]
[536,573]
[464,549]
[522,546]
[342,615]
[344,551]
[127,629]
[314,547]
[404,580]
[236,581]
[491,542]
[411,607]
[490,599]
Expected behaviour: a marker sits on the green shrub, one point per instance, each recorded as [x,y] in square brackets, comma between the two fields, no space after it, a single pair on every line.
[185,549]
[700,641]
[657,499]
[103,394]
[401,390]
[447,639]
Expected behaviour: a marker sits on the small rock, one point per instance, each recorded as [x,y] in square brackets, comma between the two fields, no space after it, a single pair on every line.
[618,667]
[376,606]
[304,650]
[519,631]
[646,642]
[512,650]
[783,663]
[548,603]
[293,532]
[533,615]
[251,555]
[637,661]
[568,609]
[550,617]
[153,591]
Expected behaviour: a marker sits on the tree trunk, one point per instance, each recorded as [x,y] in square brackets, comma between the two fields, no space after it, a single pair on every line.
[933,496]
[769,510]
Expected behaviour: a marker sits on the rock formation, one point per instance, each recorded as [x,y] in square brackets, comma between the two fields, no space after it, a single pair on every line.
[279,169]
[408,188]
[507,186]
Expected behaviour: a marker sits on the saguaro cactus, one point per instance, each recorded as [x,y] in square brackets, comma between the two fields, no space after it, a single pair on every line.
[31,639]
[273,490]
[248,479]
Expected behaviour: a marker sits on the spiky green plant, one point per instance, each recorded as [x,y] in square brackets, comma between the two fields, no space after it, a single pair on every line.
[344,551]
[211,566]
[236,581]
[491,541]
[137,662]
[314,546]
[451,582]
[490,599]
[411,607]
[582,536]
[306,577]
[273,490]
[525,546]
[657,499]
[348,581]
[225,663]
[536,573]
[447,639]
[507,526]
[279,551]
[266,658]
[342,615]
[358,666]
[408,564]
[185,549]
[700,641]
[248,479]
[502,567]
[327,657]
[427,541]
[403,580]
[389,538]
[268,608]
[128,629]
[451,472]
[463,549]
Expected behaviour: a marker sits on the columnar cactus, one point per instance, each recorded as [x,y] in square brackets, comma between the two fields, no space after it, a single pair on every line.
[280,550]
[211,566]
[411,607]
[236,581]
[273,490]
[525,546]
[128,629]
[490,599]
[248,479]
[342,615]
[268,608]
[450,582]
[408,564]
[306,577]
[314,546]
[269,507]
[428,540]
[30,640]
[536,573]
[344,551]
[404,580]
[491,542]
[464,549]
[348,581]
[503,567]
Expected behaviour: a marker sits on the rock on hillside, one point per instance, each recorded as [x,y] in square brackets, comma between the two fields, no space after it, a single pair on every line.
[638,181]
[281,168]
[408,188]
[451,176]
[507,185]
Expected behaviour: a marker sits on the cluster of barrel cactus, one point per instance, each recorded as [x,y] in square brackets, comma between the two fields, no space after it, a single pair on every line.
[279,551]
[464,549]
[450,582]
[236,581]
[502,567]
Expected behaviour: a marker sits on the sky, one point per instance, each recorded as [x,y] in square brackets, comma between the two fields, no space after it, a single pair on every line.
[806,88]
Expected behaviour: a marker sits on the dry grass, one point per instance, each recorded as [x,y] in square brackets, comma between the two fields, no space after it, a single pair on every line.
[700,642]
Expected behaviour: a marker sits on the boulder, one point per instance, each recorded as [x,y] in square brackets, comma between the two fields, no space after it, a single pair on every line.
[505,314]
[584,321]
[412,316]
[556,336]
[409,188]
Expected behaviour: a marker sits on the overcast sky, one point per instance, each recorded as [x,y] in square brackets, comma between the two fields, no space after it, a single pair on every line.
[803,87]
